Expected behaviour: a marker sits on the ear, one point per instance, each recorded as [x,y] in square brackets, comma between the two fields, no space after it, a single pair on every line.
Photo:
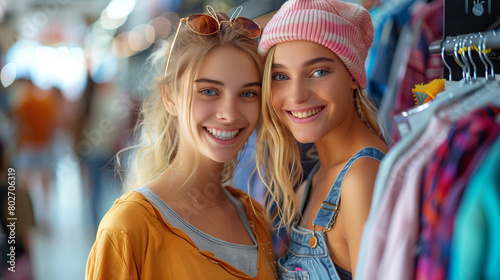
[168,102]
[354,84]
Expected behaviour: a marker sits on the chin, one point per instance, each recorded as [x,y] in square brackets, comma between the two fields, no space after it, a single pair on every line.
[305,138]
[222,158]
[305,141]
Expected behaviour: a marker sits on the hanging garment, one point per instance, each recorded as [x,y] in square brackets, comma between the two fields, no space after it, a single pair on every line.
[475,248]
[401,234]
[388,21]
[421,66]
[451,166]
[458,100]
[403,175]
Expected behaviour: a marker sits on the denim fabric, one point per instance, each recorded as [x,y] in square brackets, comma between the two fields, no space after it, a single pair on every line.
[315,263]
[303,262]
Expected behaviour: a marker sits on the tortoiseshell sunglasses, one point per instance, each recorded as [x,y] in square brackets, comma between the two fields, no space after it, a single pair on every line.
[203,24]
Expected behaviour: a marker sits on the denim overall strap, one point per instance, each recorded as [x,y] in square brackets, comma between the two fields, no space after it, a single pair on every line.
[328,211]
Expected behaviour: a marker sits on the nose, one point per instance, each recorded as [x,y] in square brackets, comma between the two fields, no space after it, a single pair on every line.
[228,109]
[298,91]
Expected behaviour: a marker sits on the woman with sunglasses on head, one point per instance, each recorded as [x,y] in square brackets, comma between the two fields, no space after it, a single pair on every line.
[312,93]
[178,221]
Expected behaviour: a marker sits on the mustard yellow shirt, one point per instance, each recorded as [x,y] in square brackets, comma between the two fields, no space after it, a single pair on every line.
[134,241]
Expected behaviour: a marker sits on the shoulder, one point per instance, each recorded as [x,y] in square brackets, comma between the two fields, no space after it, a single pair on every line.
[129,214]
[357,188]
[116,247]
[361,176]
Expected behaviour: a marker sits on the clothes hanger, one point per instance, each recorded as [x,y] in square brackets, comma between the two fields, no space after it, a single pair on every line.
[472,75]
[488,93]
[457,91]
[466,54]
[415,120]
[482,53]
[485,38]
[458,59]
[443,45]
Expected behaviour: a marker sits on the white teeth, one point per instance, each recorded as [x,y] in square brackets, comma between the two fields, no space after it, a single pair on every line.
[307,114]
[222,134]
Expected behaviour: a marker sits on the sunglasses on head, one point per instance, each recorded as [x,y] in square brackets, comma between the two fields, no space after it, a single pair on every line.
[203,24]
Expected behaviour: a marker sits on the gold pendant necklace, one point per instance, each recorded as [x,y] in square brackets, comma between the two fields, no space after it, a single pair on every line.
[228,237]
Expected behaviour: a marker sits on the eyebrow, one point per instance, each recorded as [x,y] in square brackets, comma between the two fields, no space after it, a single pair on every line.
[204,80]
[307,63]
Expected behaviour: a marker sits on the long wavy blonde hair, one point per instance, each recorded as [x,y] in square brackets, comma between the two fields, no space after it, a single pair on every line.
[278,154]
[156,133]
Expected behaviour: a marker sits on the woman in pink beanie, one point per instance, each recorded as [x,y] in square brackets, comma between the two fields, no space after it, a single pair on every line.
[313,85]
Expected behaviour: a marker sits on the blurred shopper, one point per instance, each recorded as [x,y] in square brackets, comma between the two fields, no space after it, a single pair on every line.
[103,127]
[34,118]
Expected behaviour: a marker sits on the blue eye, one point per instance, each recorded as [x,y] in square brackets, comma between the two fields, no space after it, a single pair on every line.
[280,77]
[208,92]
[249,94]
[320,73]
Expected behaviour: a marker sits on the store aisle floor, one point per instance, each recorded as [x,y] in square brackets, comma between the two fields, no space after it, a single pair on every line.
[61,243]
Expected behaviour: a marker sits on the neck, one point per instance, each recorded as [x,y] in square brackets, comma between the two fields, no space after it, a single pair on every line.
[342,142]
[184,180]
[206,172]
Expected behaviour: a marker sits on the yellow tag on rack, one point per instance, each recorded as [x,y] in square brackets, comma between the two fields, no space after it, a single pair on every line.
[474,48]
[423,93]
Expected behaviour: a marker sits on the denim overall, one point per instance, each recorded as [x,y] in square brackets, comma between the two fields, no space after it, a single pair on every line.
[308,256]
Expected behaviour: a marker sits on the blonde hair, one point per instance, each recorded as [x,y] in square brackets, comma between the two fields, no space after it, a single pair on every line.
[278,154]
[156,133]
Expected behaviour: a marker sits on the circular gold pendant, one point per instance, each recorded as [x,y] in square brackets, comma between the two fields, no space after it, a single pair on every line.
[313,242]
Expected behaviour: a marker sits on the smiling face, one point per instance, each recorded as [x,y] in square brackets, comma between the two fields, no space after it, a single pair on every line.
[225,104]
[312,90]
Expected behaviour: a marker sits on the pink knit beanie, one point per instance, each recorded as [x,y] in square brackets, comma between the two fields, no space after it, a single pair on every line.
[344,28]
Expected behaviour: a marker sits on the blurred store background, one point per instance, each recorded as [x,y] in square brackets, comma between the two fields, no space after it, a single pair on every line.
[72,78]
[70,84]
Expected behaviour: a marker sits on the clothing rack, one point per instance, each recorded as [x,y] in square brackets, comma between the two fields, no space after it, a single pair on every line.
[485,43]
[469,17]
[490,39]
